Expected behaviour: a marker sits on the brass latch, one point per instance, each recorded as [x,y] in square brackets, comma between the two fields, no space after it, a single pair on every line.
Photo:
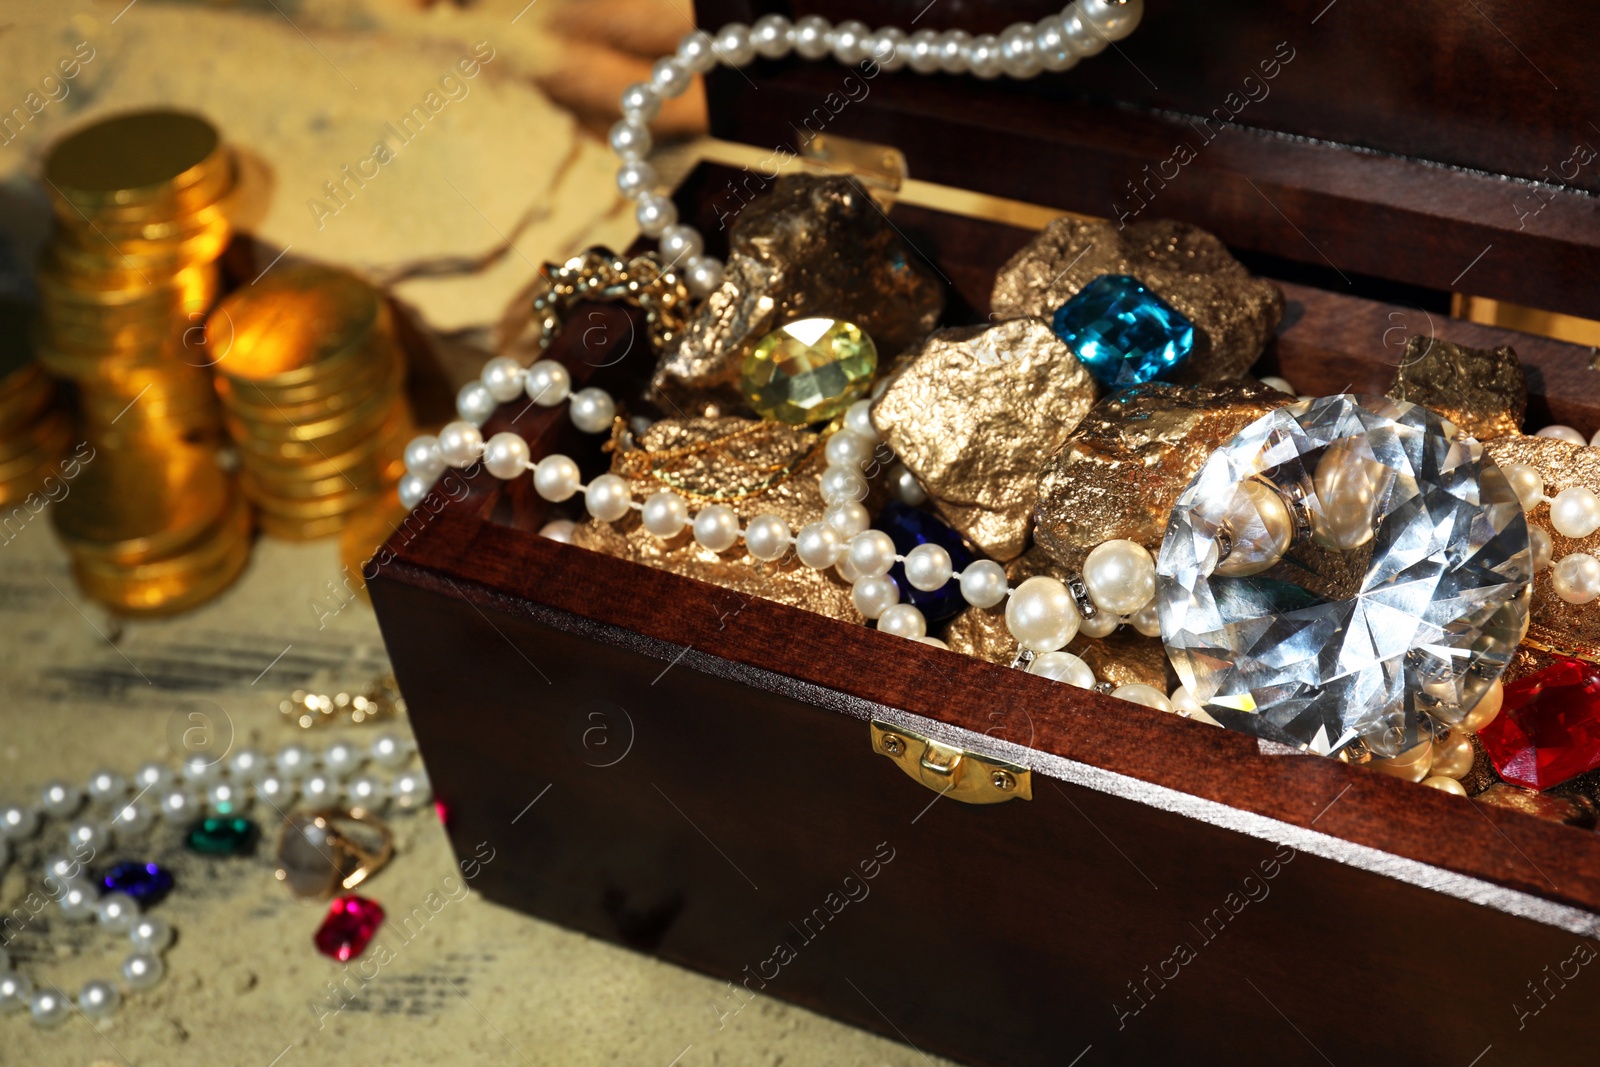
[880,168]
[950,771]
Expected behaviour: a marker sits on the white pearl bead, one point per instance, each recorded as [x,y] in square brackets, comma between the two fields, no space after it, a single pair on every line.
[18,823]
[179,805]
[366,791]
[1594,442]
[902,620]
[1526,482]
[680,243]
[1016,51]
[201,767]
[842,483]
[954,48]
[934,641]
[874,594]
[1486,710]
[99,999]
[848,517]
[592,410]
[49,1008]
[669,77]
[59,799]
[391,750]
[1120,575]
[548,383]
[772,36]
[843,568]
[246,764]
[226,798]
[157,777]
[655,213]
[321,791]
[887,48]
[983,584]
[1041,615]
[1147,620]
[813,37]
[629,139]
[460,443]
[502,376]
[640,103]
[558,530]
[697,51]
[665,514]
[1050,45]
[703,275]
[1260,527]
[1063,667]
[1100,624]
[1563,433]
[1185,703]
[556,478]
[1445,785]
[608,498]
[413,488]
[295,761]
[341,759]
[132,821]
[871,553]
[142,970]
[734,46]
[1575,512]
[717,528]
[474,403]
[818,545]
[858,420]
[1080,35]
[1542,547]
[767,537]
[903,485]
[410,790]
[147,934]
[850,42]
[77,902]
[1139,693]
[928,567]
[87,835]
[1114,18]
[635,178]
[922,51]
[116,911]
[1576,579]
[983,57]
[16,990]
[276,790]
[105,787]
[505,455]
[848,449]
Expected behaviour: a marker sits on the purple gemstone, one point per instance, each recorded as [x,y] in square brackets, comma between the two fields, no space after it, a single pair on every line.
[909,527]
[144,882]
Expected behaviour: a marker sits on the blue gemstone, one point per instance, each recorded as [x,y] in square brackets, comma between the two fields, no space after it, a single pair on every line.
[908,527]
[144,882]
[1122,332]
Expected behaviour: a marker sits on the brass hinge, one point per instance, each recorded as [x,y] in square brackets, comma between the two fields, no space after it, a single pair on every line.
[950,771]
[880,168]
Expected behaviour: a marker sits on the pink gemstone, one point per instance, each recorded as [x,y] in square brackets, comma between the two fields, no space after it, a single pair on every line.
[349,927]
[443,813]
[1549,728]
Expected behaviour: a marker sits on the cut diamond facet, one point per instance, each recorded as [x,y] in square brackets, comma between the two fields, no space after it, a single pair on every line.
[1122,332]
[1404,598]
[809,370]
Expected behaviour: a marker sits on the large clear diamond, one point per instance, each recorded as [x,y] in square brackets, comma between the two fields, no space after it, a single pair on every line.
[1399,601]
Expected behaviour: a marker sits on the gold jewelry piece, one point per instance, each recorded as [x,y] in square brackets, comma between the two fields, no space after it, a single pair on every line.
[381,699]
[600,275]
[322,852]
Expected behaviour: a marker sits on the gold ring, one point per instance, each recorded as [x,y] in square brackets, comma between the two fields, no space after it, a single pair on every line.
[322,852]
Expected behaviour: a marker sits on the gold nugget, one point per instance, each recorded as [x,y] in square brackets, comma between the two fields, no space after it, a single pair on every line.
[1481,390]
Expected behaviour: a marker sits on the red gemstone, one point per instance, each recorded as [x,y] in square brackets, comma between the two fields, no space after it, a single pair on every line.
[349,927]
[443,812]
[1549,727]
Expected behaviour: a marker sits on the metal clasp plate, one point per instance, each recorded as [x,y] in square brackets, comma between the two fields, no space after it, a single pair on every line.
[949,771]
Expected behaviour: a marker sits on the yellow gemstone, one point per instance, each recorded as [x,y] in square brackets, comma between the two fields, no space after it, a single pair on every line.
[809,370]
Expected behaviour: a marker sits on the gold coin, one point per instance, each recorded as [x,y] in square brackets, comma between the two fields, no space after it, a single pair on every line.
[365,531]
[168,595]
[133,158]
[132,505]
[299,529]
[24,398]
[362,479]
[347,389]
[213,546]
[282,330]
[325,421]
[383,449]
[335,503]
[101,257]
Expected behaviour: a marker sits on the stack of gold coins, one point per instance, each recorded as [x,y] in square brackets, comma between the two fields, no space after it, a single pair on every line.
[141,203]
[311,381]
[34,431]
[154,532]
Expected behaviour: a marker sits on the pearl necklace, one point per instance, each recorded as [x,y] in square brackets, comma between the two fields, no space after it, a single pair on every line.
[293,771]
[1574,512]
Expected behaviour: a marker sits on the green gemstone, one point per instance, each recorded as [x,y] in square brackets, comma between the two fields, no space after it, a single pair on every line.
[223,836]
[809,370]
